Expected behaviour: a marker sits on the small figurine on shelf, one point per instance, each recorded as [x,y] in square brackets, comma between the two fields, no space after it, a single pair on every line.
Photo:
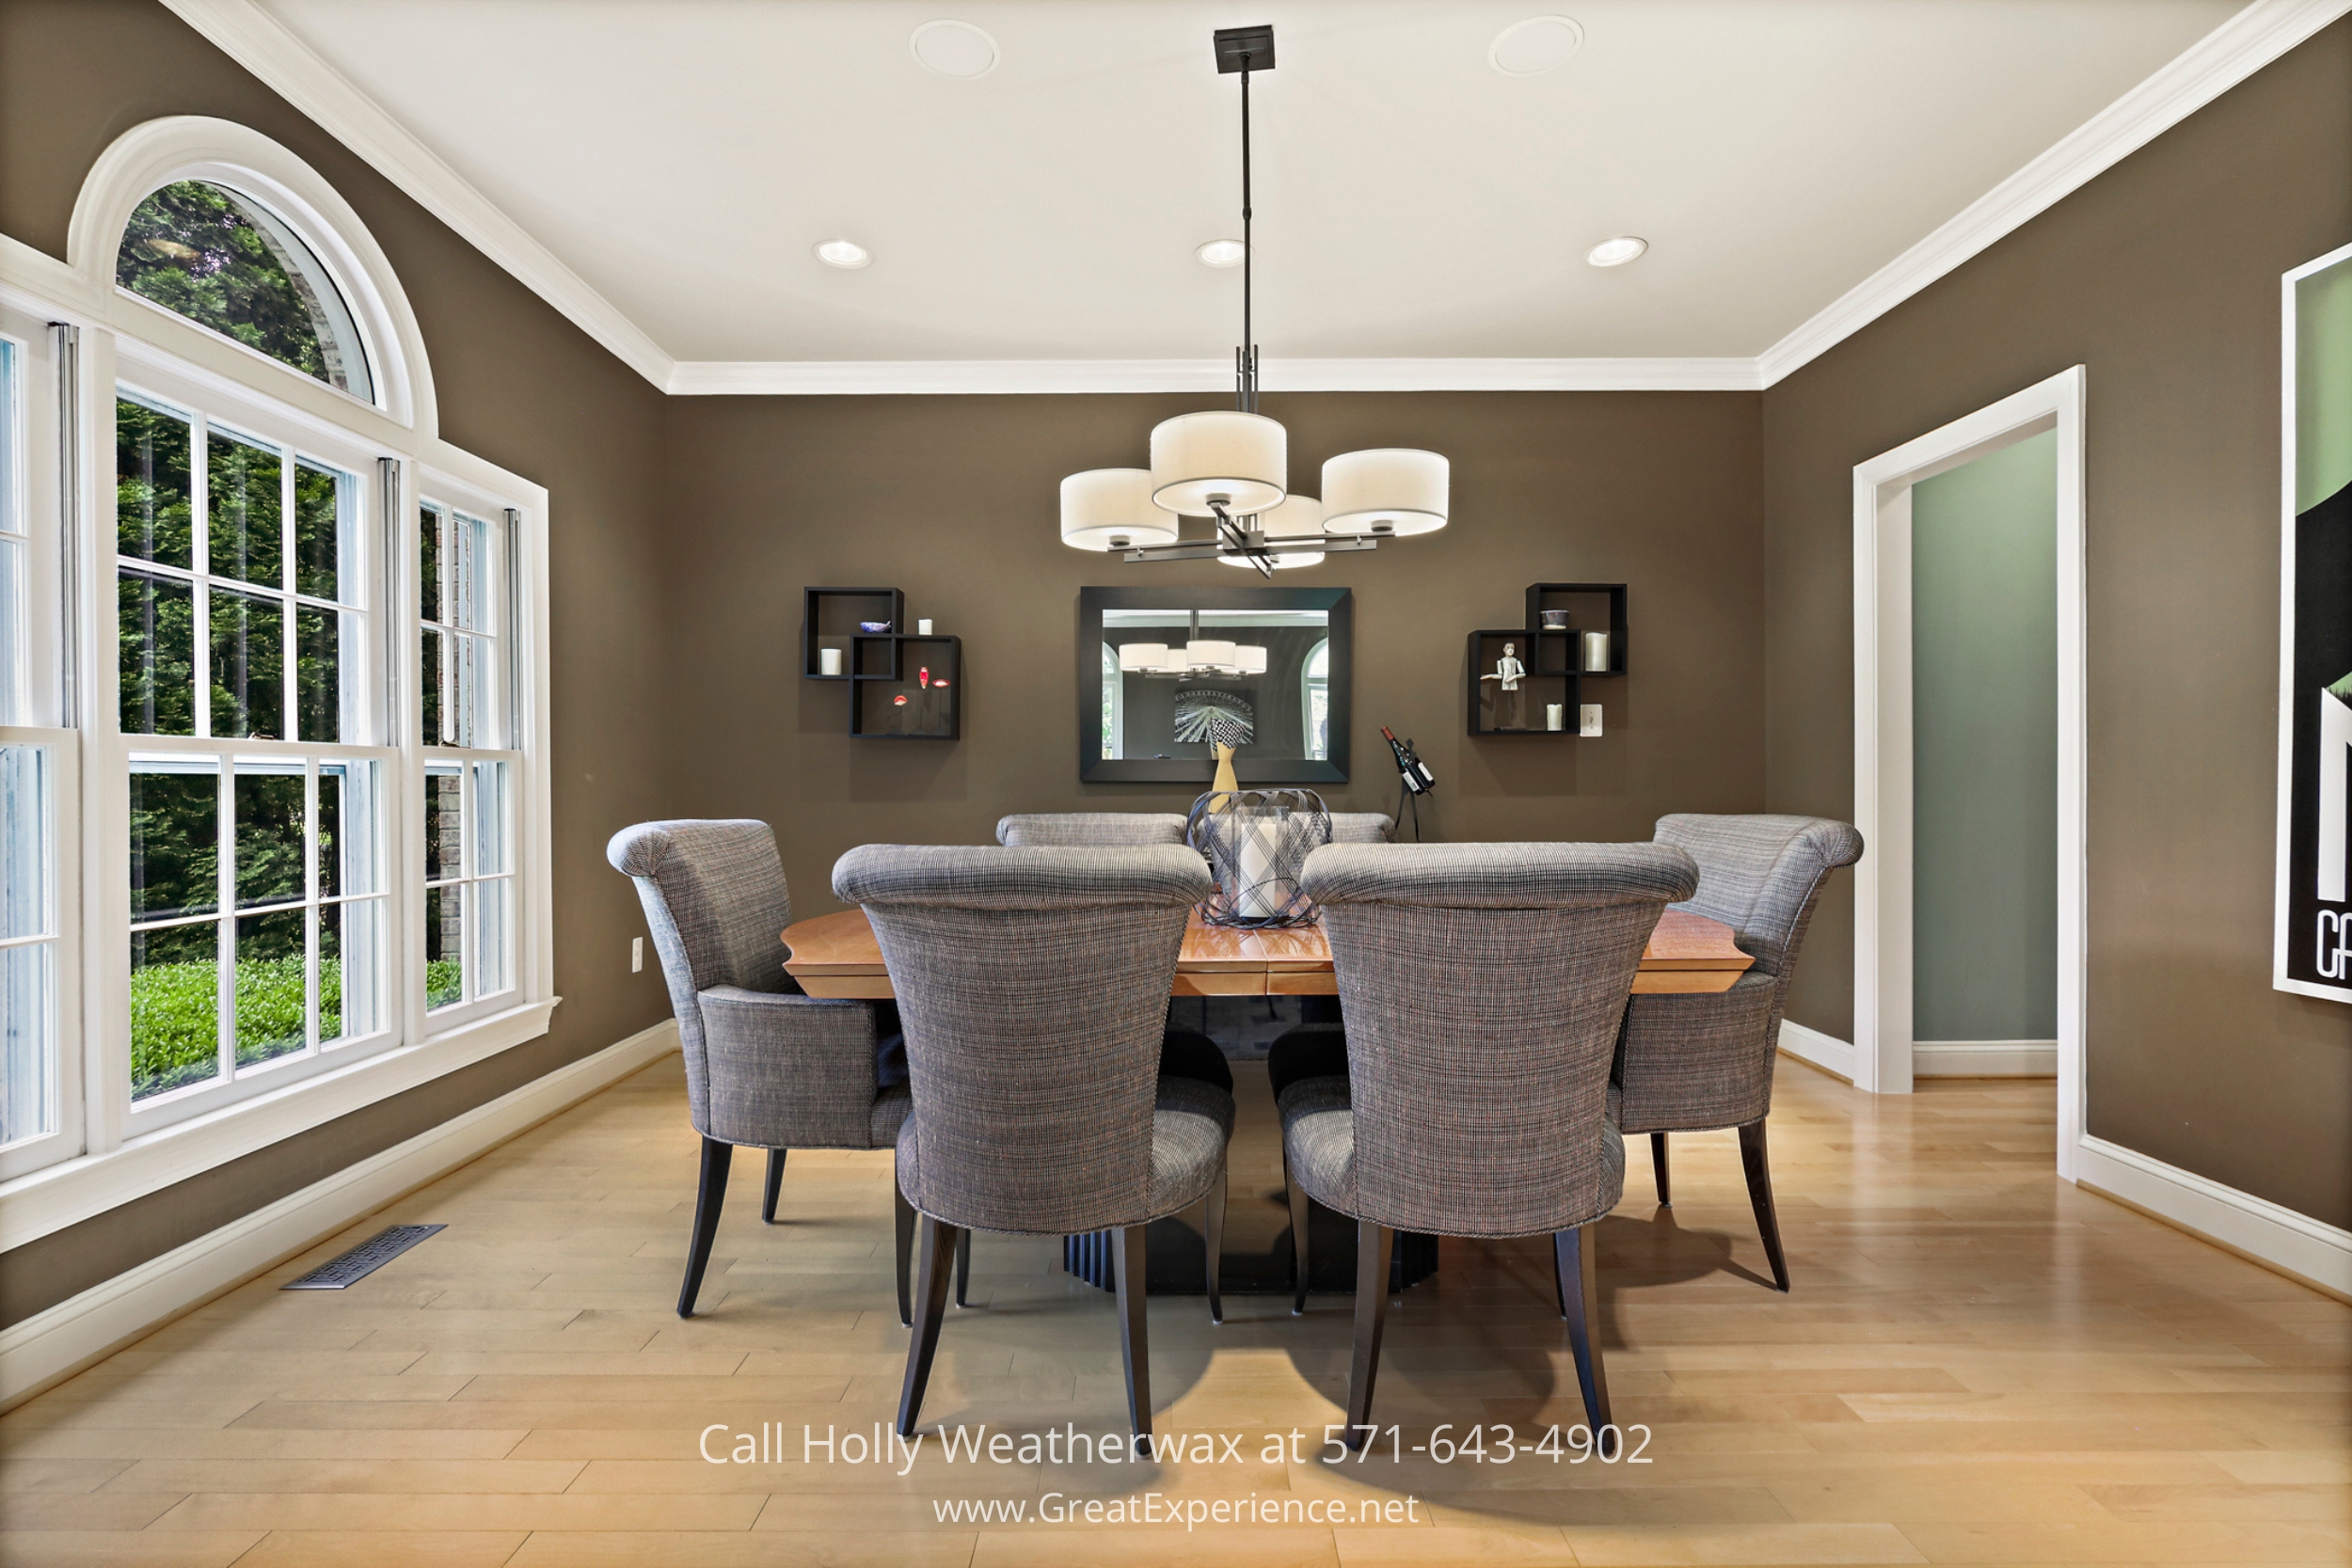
[1508,673]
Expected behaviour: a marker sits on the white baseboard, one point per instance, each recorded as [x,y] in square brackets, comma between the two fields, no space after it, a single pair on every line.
[1985,1058]
[2255,1227]
[1813,1048]
[51,1346]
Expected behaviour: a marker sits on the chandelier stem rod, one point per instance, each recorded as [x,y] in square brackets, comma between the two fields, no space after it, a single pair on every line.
[1249,256]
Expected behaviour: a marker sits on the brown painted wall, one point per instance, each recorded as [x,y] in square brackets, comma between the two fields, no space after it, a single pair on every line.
[518,385]
[2162,278]
[954,500]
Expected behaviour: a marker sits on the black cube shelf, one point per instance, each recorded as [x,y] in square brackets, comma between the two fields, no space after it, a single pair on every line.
[1591,606]
[902,685]
[830,617]
[921,698]
[1551,677]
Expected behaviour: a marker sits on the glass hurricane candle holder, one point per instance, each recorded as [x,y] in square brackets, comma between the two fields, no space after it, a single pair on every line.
[1256,842]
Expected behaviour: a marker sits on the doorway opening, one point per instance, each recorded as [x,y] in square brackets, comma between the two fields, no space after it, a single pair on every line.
[1967,934]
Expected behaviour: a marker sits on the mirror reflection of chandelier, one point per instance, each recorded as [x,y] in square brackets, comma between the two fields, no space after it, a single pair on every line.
[1199,656]
[1235,466]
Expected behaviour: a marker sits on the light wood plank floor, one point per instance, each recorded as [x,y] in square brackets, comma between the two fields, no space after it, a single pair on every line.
[1978,1365]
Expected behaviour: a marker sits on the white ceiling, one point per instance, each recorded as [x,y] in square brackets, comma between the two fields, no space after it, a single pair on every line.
[681,156]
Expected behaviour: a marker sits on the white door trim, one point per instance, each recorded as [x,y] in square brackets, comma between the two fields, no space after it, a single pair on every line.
[1883,736]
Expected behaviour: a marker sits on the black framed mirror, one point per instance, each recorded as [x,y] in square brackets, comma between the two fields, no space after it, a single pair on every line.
[1165,673]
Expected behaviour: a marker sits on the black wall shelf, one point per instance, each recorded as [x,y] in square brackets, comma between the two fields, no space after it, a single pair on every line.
[902,685]
[920,697]
[1591,606]
[1551,677]
[830,617]
[1554,658]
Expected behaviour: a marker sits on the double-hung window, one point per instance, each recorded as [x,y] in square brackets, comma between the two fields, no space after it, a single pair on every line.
[40,1077]
[249,702]
[465,720]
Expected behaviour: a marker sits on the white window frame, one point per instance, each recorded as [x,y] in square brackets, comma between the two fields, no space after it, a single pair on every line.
[40,503]
[106,1153]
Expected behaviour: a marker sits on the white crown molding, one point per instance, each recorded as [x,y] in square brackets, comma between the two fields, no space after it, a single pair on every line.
[2251,40]
[2241,46]
[882,378]
[259,43]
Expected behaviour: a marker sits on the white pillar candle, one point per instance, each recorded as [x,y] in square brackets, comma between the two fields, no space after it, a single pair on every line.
[922,628]
[1554,714]
[829,661]
[1596,651]
[1257,897]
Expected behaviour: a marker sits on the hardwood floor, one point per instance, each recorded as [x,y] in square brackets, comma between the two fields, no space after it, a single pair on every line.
[1976,1365]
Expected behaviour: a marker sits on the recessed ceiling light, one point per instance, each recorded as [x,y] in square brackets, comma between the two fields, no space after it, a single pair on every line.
[1531,47]
[1222,253]
[843,253]
[955,49]
[1616,252]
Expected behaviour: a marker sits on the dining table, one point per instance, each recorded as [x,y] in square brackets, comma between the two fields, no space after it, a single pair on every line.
[837,956]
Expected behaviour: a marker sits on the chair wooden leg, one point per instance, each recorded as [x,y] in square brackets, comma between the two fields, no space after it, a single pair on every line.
[1376,1247]
[1127,1265]
[930,1305]
[1758,1163]
[903,1224]
[775,1187]
[1573,1254]
[1213,1227]
[708,1199]
[1298,1237]
[1657,1165]
[964,1267]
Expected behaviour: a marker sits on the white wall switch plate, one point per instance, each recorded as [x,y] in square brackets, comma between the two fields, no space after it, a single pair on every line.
[637,955]
[1588,717]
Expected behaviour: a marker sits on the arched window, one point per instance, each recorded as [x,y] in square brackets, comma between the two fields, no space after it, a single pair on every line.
[1314,701]
[224,260]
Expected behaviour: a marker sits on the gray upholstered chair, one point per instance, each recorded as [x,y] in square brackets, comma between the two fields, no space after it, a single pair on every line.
[1032,984]
[1362,826]
[1701,1061]
[1484,985]
[1090,829]
[765,1066]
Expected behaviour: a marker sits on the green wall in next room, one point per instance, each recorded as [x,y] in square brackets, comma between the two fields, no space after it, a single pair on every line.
[1984,746]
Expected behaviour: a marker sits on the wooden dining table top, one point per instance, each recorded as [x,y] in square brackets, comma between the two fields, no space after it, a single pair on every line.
[837,956]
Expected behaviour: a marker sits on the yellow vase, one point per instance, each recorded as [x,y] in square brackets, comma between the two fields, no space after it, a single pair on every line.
[1224,784]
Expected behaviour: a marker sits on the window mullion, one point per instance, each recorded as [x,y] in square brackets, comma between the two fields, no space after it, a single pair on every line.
[224,928]
[289,654]
[312,1025]
[200,568]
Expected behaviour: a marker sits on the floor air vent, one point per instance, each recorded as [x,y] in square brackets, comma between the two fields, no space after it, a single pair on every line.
[363,1259]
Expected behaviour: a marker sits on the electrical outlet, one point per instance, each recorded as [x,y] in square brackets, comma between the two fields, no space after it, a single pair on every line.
[637,955]
[1588,717]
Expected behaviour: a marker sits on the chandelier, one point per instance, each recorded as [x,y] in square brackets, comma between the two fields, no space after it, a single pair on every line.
[1197,658]
[1234,466]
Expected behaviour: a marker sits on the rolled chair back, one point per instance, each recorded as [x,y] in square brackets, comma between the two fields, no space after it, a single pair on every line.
[1483,985]
[1032,984]
[1361,827]
[1093,829]
[717,905]
[1762,875]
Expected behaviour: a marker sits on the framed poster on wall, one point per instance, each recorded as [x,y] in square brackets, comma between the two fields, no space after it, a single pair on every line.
[2313,943]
